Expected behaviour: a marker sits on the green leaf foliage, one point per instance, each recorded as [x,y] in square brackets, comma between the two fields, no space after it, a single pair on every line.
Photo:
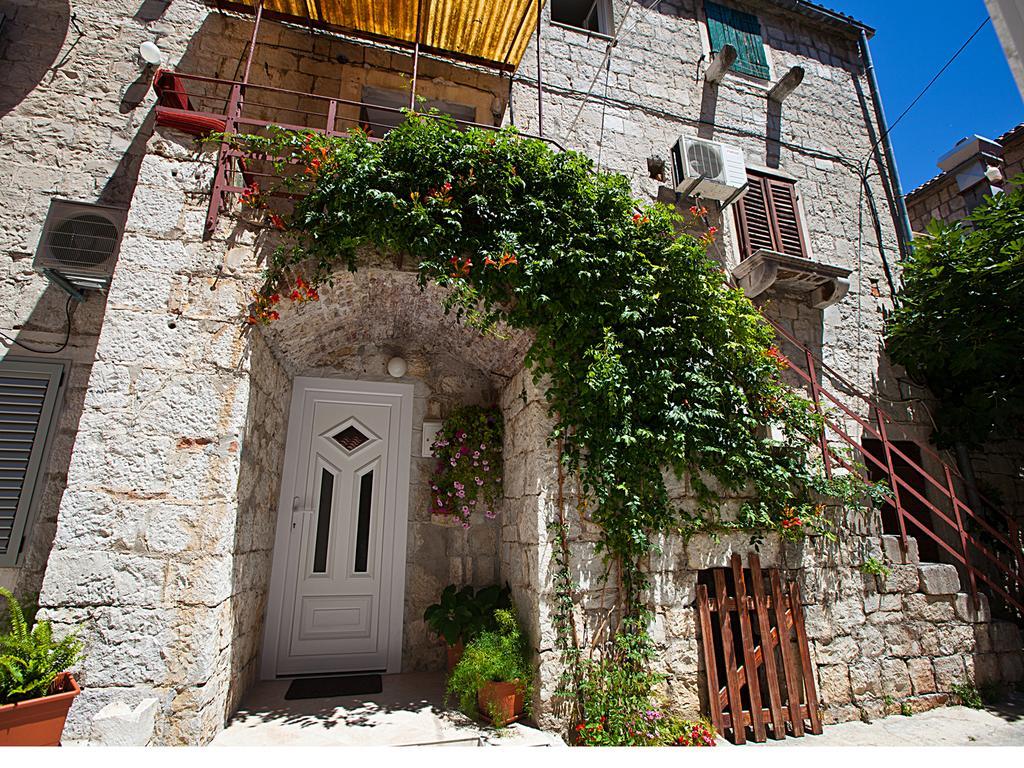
[30,660]
[462,614]
[959,324]
[648,358]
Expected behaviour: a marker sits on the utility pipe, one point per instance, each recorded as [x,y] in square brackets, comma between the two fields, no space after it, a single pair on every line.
[904,234]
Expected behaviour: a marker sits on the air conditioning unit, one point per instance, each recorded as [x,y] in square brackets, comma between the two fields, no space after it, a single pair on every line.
[709,169]
[79,244]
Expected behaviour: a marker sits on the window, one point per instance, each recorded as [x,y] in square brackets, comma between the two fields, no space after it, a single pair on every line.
[592,15]
[28,401]
[767,217]
[382,110]
[743,32]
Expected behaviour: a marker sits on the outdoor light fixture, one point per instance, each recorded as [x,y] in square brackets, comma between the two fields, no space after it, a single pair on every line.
[151,54]
[397,367]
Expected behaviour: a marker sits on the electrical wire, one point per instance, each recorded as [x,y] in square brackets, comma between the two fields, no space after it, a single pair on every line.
[61,348]
[927,87]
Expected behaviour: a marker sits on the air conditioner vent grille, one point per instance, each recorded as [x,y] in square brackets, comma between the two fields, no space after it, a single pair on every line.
[704,160]
[79,243]
[83,241]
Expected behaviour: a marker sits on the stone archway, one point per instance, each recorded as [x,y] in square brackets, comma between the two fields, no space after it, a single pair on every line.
[360,322]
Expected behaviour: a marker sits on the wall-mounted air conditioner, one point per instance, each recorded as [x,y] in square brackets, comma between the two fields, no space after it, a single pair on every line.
[709,169]
[79,244]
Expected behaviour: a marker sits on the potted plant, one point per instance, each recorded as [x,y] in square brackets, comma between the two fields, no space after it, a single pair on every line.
[493,676]
[464,613]
[36,689]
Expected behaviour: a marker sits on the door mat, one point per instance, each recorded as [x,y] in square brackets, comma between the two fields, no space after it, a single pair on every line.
[328,687]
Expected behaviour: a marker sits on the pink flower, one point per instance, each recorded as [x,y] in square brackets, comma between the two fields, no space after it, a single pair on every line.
[461,494]
[479,481]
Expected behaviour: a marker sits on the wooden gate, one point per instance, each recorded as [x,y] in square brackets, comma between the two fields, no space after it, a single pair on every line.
[755,640]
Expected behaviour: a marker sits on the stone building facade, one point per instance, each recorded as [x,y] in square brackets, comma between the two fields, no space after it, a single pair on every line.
[155,515]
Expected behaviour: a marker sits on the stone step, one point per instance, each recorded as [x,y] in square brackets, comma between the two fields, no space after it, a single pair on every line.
[894,552]
[938,579]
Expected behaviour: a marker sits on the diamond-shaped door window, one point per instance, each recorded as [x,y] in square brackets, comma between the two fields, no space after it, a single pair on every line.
[350,438]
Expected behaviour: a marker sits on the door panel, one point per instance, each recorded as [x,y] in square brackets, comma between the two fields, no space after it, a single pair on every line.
[340,593]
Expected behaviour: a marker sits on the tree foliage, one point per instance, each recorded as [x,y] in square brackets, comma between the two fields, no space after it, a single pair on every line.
[959,324]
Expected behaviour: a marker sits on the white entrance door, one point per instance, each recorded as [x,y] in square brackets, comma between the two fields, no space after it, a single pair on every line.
[339,557]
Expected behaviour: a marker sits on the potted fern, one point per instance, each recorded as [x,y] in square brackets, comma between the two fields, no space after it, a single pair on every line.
[493,676]
[36,689]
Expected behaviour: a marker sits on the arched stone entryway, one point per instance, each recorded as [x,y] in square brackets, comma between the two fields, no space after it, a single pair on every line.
[360,322]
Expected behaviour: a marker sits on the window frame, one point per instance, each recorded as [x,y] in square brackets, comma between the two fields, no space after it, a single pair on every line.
[605,20]
[736,69]
[24,516]
[763,180]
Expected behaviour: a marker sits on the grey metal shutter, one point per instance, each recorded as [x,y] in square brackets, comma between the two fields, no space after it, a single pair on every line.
[28,398]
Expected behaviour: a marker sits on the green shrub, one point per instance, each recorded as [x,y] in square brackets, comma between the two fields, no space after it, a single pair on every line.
[31,660]
[462,614]
[498,655]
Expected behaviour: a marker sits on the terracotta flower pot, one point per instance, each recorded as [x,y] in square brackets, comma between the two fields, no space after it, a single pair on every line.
[454,655]
[38,722]
[501,703]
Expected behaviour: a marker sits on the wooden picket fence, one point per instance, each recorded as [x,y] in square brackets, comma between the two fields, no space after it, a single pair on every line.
[755,639]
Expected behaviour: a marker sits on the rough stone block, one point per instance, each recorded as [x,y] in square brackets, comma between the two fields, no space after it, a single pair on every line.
[834,684]
[932,608]
[893,551]
[949,671]
[966,611]
[1005,637]
[895,678]
[842,650]
[922,675]
[1011,667]
[118,725]
[903,578]
[866,678]
[938,579]
[987,669]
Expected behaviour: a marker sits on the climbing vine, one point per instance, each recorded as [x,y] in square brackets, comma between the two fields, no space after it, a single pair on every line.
[650,363]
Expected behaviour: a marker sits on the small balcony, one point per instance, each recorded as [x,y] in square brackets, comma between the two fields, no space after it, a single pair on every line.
[359,69]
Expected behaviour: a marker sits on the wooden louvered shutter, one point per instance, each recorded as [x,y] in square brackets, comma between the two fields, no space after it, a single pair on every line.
[743,32]
[28,398]
[753,218]
[767,218]
[789,238]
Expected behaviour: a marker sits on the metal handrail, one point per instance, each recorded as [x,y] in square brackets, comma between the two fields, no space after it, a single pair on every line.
[900,490]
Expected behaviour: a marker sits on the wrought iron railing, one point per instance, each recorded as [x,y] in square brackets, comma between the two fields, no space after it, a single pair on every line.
[204,105]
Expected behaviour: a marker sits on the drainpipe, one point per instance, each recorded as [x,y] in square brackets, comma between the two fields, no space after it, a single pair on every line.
[903,231]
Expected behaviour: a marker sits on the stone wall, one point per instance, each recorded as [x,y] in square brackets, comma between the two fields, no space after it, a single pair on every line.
[876,643]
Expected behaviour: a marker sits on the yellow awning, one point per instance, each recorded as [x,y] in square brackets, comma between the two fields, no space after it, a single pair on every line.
[494,32]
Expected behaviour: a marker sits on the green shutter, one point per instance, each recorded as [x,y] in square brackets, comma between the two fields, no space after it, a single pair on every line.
[743,32]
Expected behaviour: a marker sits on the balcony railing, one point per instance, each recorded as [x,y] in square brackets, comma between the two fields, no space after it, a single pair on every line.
[203,105]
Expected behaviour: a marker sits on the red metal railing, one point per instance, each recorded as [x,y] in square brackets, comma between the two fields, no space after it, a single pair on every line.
[985,543]
[207,103]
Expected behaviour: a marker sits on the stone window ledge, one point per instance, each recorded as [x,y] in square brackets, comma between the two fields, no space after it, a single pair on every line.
[823,284]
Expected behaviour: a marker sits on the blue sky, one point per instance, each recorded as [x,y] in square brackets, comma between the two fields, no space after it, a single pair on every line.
[977,94]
